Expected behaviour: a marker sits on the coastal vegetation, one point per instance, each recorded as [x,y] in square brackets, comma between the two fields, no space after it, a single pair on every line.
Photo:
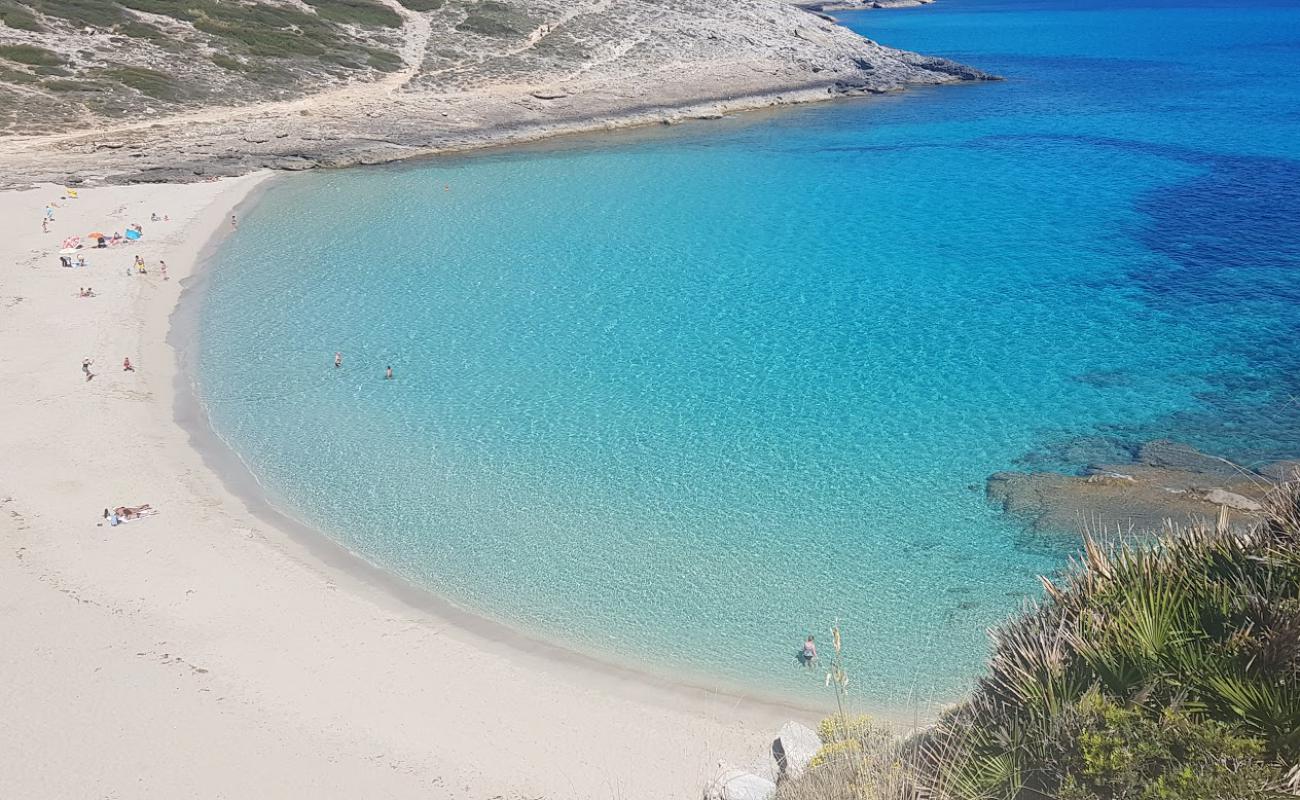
[1162,672]
[130,56]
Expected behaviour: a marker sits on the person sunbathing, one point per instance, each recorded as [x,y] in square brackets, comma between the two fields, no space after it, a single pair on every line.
[135,512]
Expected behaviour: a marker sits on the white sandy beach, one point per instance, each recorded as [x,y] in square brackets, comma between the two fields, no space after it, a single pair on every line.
[206,652]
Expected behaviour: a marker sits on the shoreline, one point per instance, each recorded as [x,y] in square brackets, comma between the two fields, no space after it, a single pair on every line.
[240,480]
[184,647]
[60,158]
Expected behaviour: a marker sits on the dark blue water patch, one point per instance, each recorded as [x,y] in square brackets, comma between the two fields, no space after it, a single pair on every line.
[1240,216]
[1223,246]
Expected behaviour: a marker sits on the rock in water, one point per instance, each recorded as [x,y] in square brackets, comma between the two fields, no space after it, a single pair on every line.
[1223,497]
[1165,482]
[794,748]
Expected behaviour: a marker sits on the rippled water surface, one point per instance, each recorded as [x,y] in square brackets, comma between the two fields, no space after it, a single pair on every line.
[678,397]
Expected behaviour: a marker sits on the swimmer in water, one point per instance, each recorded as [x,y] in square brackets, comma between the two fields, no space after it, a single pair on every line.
[388,374]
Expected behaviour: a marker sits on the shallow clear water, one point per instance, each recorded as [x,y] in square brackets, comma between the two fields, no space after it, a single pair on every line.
[678,397]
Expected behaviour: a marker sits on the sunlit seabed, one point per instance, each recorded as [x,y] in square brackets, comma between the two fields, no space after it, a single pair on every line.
[677,398]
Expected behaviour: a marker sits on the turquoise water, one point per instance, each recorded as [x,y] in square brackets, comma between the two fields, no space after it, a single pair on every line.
[678,397]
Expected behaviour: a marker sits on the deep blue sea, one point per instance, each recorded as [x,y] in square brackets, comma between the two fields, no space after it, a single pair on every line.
[679,397]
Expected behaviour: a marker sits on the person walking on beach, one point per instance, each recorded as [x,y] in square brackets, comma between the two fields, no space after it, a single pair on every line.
[85,368]
[45,226]
[162,267]
[234,224]
[809,654]
[388,374]
[126,365]
[338,360]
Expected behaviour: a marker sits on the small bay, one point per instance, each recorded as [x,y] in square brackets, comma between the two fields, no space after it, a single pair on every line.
[676,398]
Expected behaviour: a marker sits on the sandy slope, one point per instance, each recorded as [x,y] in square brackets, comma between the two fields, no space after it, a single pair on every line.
[205,652]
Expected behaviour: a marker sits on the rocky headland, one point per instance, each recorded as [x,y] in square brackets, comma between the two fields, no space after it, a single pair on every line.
[862,5]
[1163,482]
[146,90]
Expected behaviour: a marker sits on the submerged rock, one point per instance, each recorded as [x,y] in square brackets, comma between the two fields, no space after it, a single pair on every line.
[1166,482]
[1223,497]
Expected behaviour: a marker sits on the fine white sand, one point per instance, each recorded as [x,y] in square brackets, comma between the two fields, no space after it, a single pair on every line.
[211,652]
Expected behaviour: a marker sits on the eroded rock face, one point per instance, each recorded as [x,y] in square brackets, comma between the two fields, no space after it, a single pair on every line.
[1165,482]
[411,77]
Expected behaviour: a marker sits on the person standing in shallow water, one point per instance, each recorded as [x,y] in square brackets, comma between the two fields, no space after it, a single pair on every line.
[388,374]
[338,360]
[809,654]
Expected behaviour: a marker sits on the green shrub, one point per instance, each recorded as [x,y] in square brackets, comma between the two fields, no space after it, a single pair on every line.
[11,75]
[31,54]
[494,18]
[147,81]
[16,16]
[1191,646]
[423,5]
[1111,752]
[357,12]
[383,60]
[140,30]
[177,9]
[272,43]
[64,86]
[228,63]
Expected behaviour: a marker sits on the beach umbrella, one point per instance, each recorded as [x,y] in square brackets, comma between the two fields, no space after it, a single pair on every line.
[96,235]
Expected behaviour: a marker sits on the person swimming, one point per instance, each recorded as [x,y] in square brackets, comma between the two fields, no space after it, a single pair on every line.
[388,374]
[338,360]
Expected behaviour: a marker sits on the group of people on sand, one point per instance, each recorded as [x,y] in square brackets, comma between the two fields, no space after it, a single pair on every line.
[86,363]
[338,364]
[121,514]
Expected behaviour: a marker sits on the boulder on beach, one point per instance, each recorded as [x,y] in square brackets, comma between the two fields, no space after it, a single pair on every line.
[794,748]
[736,784]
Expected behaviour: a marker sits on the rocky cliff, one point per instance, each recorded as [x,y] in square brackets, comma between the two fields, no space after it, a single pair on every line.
[179,89]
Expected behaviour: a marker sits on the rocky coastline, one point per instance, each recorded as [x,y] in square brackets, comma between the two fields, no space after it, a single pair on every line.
[850,5]
[538,68]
